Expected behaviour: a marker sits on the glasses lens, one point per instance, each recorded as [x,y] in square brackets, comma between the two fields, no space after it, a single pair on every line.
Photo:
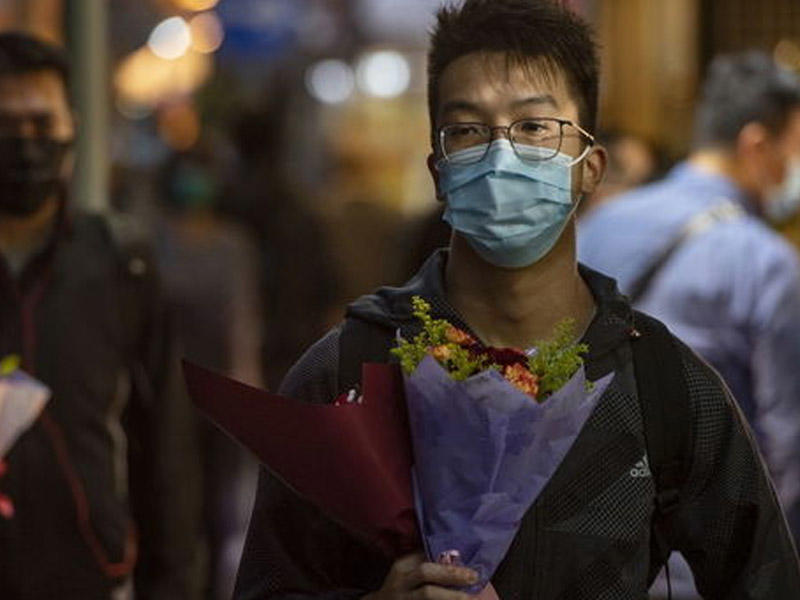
[465,142]
[536,139]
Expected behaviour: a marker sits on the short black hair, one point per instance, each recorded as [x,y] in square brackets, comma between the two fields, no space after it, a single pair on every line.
[740,89]
[544,30]
[22,53]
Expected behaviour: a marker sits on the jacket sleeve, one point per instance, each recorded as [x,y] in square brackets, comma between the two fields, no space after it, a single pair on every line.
[164,473]
[293,550]
[730,527]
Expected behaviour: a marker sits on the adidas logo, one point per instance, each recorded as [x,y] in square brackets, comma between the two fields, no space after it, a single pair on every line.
[641,468]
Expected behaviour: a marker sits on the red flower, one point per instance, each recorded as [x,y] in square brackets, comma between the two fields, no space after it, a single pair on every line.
[507,356]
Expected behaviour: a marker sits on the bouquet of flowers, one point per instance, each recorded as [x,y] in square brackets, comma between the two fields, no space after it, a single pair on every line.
[447,452]
[489,427]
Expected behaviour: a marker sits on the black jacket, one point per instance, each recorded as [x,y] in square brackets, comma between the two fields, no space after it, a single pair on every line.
[105,483]
[587,536]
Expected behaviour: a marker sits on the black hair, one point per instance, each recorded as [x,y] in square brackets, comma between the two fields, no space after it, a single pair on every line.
[544,30]
[22,53]
[740,89]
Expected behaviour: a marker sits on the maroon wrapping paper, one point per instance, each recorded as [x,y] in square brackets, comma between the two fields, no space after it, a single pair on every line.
[353,461]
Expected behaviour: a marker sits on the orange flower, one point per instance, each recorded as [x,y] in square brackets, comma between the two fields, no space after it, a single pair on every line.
[521,378]
[441,353]
[458,336]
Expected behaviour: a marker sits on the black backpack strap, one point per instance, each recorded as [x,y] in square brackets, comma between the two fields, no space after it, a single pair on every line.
[664,399]
[361,341]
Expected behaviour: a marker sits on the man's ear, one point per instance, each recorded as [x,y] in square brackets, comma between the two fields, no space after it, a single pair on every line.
[594,169]
[752,140]
[434,174]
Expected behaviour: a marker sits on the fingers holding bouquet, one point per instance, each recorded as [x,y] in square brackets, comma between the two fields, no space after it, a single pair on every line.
[412,577]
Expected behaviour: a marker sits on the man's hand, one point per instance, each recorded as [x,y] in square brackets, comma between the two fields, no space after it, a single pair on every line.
[411,578]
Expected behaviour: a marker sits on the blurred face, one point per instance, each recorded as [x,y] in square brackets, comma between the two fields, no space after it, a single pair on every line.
[36,132]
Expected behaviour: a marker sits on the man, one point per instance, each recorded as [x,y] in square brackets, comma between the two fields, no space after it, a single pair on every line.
[693,251]
[104,484]
[513,99]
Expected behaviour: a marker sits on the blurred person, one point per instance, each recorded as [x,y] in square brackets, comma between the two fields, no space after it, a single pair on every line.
[210,270]
[105,484]
[298,273]
[693,250]
[513,99]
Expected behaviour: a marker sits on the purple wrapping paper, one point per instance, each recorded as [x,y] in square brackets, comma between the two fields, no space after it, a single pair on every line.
[483,452]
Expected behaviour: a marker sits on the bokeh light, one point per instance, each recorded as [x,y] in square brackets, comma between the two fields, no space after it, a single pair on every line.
[195,5]
[207,33]
[170,39]
[179,126]
[385,74]
[144,79]
[330,81]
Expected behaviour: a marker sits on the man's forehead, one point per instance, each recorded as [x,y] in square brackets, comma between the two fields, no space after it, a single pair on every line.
[41,91]
[34,86]
[489,77]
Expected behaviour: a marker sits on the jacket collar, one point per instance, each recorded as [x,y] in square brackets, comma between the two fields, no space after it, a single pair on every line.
[391,306]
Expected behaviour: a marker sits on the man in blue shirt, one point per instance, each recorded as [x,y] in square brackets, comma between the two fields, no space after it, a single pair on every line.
[693,251]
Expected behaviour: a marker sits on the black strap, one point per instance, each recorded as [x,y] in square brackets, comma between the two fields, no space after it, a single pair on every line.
[361,342]
[664,400]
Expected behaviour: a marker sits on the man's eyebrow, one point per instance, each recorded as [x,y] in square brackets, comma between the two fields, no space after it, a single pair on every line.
[463,105]
[543,99]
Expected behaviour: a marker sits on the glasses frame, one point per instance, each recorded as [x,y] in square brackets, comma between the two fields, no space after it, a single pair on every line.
[506,129]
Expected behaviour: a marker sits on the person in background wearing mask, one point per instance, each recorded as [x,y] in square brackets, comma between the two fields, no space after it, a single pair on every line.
[105,484]
[512,93]
[694,251]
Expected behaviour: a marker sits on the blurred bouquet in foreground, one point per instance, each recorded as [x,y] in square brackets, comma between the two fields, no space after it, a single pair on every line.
[447,452]
[22,399]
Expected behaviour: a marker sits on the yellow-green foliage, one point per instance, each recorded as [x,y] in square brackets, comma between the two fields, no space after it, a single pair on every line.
[557,360]
[460,363]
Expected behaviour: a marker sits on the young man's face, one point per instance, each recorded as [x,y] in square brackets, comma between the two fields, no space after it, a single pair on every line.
[487,88]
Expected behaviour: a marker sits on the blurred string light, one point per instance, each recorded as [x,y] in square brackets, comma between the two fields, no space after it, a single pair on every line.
[385,74]
[330,81]
[171,38]
[195,5]
[206,32]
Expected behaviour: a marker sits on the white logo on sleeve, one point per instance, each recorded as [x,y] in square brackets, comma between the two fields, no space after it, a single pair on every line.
[641,468]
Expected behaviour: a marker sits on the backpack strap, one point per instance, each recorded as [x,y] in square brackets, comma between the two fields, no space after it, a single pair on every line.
[360,342]
[664,400]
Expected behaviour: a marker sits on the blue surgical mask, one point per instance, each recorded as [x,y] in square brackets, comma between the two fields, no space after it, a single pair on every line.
[784,201]
[511,211]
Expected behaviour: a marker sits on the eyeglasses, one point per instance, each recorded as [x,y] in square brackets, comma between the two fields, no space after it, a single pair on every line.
[533,140]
